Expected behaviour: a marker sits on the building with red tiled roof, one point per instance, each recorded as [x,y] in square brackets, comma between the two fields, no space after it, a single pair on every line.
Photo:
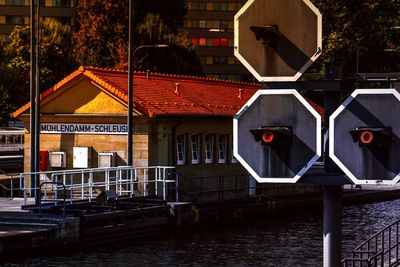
[178,121]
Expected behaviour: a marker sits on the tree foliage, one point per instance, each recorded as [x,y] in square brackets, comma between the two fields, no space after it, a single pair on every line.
[102,37]
[358,26]
[180,56]
[55,61]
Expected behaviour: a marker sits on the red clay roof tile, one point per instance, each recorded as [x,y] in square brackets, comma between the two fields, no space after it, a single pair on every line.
[168,95]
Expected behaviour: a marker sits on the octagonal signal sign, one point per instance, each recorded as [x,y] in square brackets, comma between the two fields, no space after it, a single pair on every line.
[277,40]
[277,136]
[364,136]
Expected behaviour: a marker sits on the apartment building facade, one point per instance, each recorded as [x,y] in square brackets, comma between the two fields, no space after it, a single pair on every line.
[16,12]
[209,25]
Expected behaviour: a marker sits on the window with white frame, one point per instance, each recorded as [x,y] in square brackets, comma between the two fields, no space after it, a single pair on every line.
[195,149]
[180,149]
[209,148]
[222,148]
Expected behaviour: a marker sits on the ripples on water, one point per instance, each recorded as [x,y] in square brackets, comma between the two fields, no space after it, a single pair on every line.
[291,241]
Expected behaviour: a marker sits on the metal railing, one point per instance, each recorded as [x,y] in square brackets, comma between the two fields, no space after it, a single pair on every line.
[214,188]
[85,184]
[382,249]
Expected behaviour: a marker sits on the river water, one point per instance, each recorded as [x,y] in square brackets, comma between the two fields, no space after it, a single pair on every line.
[292,241]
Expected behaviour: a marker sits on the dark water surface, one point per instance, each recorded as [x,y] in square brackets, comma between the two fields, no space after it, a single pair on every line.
[292,241]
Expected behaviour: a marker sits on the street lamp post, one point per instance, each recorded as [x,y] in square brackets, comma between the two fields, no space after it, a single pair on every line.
[130,93]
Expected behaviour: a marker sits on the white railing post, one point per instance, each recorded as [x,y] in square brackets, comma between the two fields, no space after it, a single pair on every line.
[71,189]
[82,185]
[156,178]
[164,185]
[90,186]
[131,184]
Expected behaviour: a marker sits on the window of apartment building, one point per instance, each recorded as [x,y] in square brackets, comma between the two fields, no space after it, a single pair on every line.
[223,6]
[180,149]
[195,5]
[15,20]
[195,41]
[3,37]
[209,148]
[202,24]
[202,41]
[232,6]
[224,42]
[216,24]
[216,42]
[222,148]
[195,24]
[220,60]
[195,149]
[58,3]
[15,2]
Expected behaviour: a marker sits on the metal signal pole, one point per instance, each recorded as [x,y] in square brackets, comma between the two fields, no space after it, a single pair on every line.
[130,84]
[37,105]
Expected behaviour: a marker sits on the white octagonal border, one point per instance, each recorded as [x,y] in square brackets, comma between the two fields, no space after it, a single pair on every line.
[242,161]
[332,155]
[277,78]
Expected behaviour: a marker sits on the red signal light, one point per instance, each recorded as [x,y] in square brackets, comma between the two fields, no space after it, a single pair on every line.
[267,136]
[366,137]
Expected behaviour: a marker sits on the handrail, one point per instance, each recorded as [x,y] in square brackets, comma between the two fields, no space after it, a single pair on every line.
[40,196]
[381,249]
[85,182]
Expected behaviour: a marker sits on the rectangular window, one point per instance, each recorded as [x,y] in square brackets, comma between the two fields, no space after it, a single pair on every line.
[209,148]
[224,41]
[195,5]
[195,149]
[216,24]
[216,42]
[223,24]
[15,20]
[209,6]
[195,41]
[202,41]
[202,24]
[195,23]
[224,6]
[222,148]
[202,6]
[180,149]
[15,2]
[209,41]
[231,6]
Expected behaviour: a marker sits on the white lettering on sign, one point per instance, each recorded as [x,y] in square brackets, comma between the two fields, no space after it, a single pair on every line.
[72,128]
